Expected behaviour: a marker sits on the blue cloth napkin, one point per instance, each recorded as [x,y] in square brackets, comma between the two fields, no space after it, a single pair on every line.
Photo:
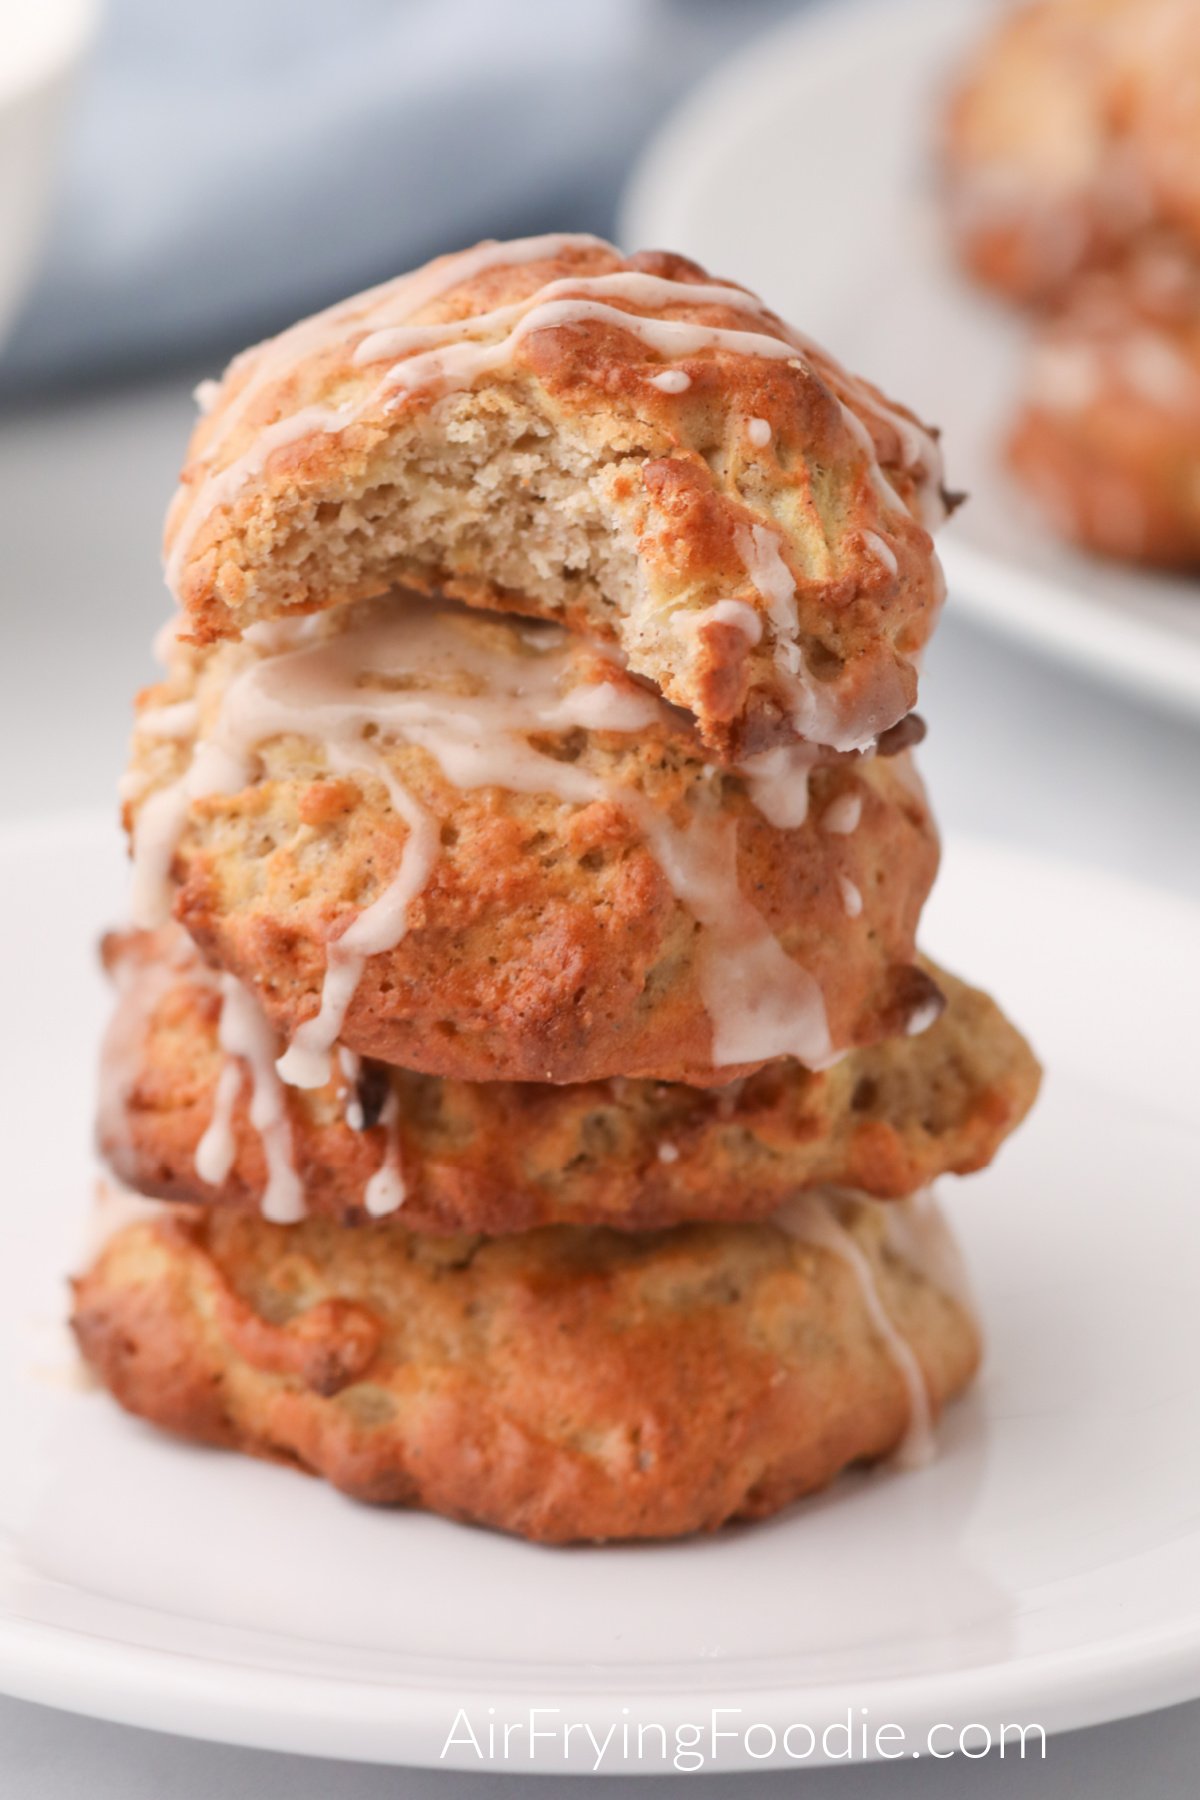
[233,164]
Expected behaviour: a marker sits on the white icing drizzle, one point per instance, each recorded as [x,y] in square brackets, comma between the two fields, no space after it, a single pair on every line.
[841,816]
[381,927]
[916,1232]
[883,487]
[812,1218]
[350,1064]
[216,1150]
[247,1039]
[760,550]
[365,312]
[156,832]
[222,486]
[461,357]
[817,714]
[1066,377]
[722,612]
[244,1035]
[385,1192]
[132,784]
[402,671]
[273,636]
[882,551]
[174,722]
[761,1003]
[141,984]
[160,824]
[852,900]
[637,288]
[459,364]
[927,1014]
[1158,372]
[777,782]
[166,638]
[374,328]
[1070,374]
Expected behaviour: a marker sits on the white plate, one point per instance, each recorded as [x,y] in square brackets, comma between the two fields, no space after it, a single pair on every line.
[804,168]
[1045,1570]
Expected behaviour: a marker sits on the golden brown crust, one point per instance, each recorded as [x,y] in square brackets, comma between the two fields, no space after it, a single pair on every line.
[565,482]
[547,943]
[508,1156]
[1107,440]
[1160,100]
[565,1384]
[1072,131]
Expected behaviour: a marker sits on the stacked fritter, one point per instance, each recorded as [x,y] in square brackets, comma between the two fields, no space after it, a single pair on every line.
[523,1013]
[1072,161]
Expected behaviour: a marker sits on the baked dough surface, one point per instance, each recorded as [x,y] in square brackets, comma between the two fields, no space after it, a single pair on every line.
[547,939]
[622,446]
[508,1156]
[563,1384]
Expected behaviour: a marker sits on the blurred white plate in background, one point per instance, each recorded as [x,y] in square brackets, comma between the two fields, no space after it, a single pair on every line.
[805,169]
[1044,1570]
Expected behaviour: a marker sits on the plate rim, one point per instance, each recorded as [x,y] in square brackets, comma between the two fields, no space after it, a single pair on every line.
[221,1701]
[1141,658]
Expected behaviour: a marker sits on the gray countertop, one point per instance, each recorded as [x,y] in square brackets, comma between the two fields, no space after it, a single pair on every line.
[47,1755]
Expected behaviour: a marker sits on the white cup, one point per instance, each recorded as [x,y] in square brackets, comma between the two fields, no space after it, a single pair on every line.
[42,43]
